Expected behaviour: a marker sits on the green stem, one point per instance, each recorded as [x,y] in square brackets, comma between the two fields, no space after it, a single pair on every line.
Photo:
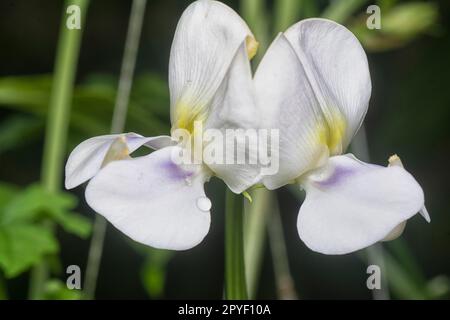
[256,215]
[286,13]
[264,201]
[283,278]
[256,15]
[235,288]
[58,122]
[117,126]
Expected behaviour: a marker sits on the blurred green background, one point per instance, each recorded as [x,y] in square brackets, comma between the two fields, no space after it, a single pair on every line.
[409,114]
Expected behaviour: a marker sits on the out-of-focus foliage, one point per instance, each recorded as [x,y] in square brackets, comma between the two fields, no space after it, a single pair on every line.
[23,241]
[18,130]
[57,290]
[406,279]
[92,107]
[400,24]
[153,272]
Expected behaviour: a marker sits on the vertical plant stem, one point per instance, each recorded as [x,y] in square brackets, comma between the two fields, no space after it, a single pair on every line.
[235,288]
[375,253]
[256,215]
[264,201]
[58,121]
[257,212]
[283,278]
[286,13]
[117,126]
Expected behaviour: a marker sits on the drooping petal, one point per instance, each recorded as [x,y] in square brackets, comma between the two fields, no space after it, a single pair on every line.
[350,204]
[206,39]
[152,200]
[87,158]
[395,160]
[233,110]
[287,103]
[336,68]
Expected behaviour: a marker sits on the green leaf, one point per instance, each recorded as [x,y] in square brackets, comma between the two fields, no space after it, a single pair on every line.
[400,24]
[7,192]
[18,130]
[408,20]
[93,101]
[74,223]
[22,246]
[55,289]
[35,202]
[153,273]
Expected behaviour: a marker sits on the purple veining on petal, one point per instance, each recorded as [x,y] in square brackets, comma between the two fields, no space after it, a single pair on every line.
[174,171]
[339,174]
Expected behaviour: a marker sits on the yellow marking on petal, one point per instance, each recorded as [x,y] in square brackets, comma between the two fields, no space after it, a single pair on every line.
[252,46]
[186,115]
[117,151]
[332,134]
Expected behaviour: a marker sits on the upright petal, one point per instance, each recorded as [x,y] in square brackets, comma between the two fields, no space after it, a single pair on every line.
[206,39]
[152,200]
[233,110]
[287,102]
[88,157]
[336,68]
[350,205]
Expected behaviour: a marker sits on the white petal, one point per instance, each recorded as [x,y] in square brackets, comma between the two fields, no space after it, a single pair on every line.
[396,232]
[206,39]
[287,102]
[87,158]
[336,67]
[350,204]
[234,108]
[395,160]
[152,200]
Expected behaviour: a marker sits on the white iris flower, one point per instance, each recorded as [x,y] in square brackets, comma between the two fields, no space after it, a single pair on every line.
[314,85]
[150,198]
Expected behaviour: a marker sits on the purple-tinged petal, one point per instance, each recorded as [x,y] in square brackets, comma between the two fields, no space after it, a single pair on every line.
[350,204]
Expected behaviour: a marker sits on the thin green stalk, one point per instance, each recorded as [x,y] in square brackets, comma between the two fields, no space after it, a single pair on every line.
[285,283]
[264,201]
[235,283]
[58,121]
[256,215]
[286,13]
[117,126]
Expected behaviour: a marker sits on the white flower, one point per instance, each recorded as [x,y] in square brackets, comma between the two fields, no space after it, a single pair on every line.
[150,198]
[314,85]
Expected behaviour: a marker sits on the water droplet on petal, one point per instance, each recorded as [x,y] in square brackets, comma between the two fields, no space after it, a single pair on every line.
[188,181]
[204,204]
